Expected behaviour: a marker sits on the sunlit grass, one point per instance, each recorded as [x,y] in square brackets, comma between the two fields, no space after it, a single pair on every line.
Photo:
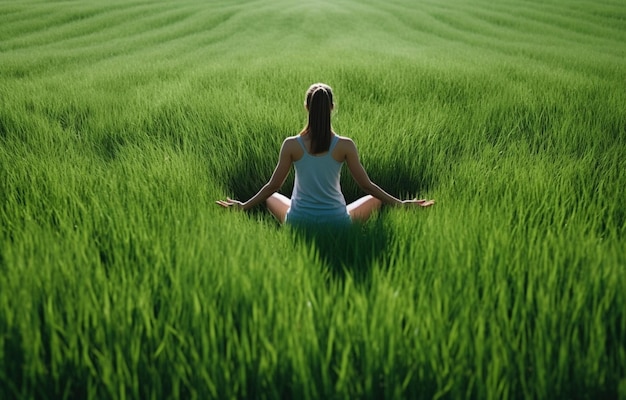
[121,123]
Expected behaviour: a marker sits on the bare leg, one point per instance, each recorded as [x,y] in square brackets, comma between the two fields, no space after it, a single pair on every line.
[278,206]
[361,209]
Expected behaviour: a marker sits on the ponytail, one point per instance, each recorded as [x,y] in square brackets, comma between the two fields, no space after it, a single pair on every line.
[319,101]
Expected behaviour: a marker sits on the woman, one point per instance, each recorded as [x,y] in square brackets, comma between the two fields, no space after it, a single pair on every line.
[317,154]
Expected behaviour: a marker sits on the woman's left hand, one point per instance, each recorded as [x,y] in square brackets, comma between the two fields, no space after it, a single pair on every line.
[230,203]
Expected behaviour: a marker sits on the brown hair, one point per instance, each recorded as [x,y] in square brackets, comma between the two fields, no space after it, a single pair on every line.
[319,103]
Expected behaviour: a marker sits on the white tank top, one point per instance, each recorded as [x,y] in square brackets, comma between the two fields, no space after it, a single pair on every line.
[317,191]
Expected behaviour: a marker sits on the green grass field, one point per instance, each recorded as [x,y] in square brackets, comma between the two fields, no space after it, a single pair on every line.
[122,122]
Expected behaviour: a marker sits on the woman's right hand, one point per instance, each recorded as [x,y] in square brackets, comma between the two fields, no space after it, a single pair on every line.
[420,202]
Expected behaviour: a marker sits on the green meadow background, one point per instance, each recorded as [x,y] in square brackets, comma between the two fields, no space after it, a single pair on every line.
[122,122]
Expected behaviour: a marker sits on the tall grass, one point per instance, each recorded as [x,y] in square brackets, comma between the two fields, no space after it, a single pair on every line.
[121,123]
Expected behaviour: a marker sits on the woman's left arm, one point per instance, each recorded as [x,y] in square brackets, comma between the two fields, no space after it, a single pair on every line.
[279,175]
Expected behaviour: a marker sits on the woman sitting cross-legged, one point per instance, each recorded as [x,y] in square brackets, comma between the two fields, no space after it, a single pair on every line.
[317,154]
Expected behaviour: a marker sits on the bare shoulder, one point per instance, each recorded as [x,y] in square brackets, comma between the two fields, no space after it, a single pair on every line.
[290,141]
[292,147]
[345,149]
[346,144]
[344,141]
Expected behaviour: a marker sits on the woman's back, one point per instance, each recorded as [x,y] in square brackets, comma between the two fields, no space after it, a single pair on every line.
[317,191]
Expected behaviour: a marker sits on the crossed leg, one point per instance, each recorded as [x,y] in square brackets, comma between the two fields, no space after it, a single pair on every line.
[359,210]
[278,205]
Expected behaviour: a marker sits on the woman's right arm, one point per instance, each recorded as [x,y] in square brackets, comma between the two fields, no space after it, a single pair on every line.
[365,183]
[362,179]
